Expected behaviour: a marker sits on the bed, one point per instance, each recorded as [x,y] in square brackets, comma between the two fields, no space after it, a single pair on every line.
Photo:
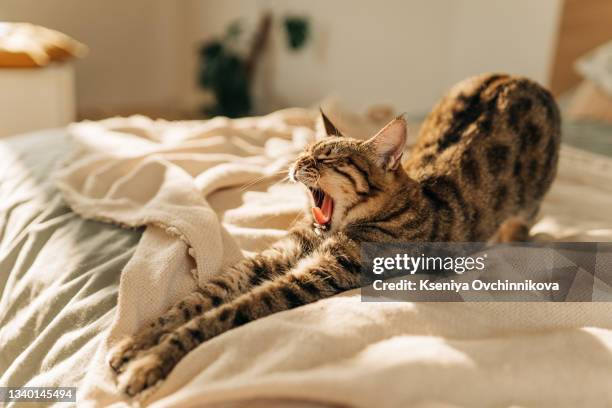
[60,279]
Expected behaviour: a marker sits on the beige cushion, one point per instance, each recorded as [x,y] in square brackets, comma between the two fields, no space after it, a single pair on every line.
[28,45]
[596,66]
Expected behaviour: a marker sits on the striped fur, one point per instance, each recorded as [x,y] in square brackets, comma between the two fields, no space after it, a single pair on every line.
[485,157]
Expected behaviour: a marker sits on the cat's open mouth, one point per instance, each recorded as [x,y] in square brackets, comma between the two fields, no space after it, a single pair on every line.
[324,206]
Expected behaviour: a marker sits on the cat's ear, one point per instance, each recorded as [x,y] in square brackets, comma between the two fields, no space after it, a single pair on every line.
[330,129]
[389,143]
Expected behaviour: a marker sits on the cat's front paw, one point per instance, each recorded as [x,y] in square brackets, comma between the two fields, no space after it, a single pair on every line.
[122,353]
[154,364]
[140,374]
[130,347]
[127,349]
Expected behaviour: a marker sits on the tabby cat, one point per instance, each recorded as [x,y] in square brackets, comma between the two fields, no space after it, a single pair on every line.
[486,156]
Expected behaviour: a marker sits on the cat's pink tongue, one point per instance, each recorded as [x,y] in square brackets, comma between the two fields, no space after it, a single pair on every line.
[323,215]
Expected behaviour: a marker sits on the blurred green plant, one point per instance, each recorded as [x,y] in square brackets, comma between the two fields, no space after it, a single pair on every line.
[298,30]
[223,72]
[229,76]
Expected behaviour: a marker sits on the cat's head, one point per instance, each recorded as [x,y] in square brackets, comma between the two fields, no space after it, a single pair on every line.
[347,177]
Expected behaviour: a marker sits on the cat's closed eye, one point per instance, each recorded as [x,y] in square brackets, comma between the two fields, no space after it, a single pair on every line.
[336,161]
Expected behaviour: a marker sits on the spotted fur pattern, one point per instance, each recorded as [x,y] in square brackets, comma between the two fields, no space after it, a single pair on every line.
[485,157]
[487,153]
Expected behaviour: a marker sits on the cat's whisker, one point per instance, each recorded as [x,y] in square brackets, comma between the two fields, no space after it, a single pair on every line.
[283,180]
[259,179]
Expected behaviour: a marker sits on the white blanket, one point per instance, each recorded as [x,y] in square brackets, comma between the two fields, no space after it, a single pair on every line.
[191,184]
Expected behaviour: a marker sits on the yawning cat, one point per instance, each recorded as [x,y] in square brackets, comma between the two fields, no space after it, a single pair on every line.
[485,157]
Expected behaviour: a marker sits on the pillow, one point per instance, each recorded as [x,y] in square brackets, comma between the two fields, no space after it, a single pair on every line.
[26,45]
[596,66]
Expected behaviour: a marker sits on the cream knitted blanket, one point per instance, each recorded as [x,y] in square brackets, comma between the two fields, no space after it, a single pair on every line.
[194,186]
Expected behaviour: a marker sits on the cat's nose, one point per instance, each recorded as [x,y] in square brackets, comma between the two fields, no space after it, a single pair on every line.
[304,170]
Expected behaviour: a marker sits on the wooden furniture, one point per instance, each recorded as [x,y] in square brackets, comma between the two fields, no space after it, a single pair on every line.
[584,25]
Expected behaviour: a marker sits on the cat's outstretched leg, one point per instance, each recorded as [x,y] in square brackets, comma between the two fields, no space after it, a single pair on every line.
[126,349]
[231,283]
[330,270]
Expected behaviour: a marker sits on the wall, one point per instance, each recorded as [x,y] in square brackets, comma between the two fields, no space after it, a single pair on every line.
[402,52]
[515,36]
[362,55]
[143,52]
[135,47]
